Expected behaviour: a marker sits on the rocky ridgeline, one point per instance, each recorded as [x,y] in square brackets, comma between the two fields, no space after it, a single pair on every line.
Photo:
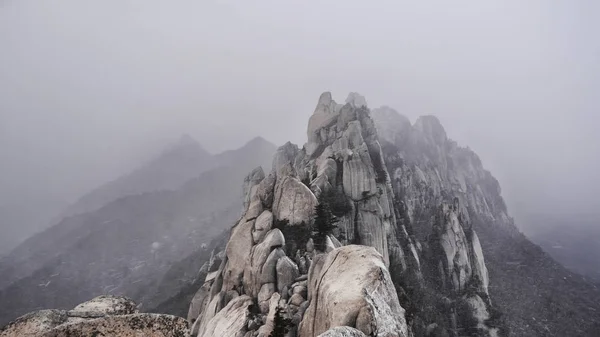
[101,316]
[372,275]
[403,259]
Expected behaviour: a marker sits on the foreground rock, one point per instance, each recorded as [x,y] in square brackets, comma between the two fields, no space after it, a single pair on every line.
[105,305]
[148,325]
[352,287]
[101,316]
[343,331]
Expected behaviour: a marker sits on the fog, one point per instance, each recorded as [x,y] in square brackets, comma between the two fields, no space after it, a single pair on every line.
[90,89]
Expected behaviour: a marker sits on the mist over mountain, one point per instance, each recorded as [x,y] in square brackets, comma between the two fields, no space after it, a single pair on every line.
[449,258]
[126,245]
[82,102]
[182,161]
[133,136]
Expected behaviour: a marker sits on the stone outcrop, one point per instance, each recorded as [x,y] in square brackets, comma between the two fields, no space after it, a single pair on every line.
[151,325]
[352,287]
[35,323]
[357,281]
[343,331]
[231,321]
[438,190]
[270,250]
[101,316]
[105,305]
[293,201]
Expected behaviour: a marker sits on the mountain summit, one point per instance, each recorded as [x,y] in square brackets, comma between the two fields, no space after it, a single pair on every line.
[326,241]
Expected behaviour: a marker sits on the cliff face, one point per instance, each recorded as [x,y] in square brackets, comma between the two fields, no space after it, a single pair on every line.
[277,262]
[535,295]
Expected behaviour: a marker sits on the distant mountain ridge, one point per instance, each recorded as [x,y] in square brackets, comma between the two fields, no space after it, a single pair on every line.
[175,165]
[573,240]
[145,232]
[537,295]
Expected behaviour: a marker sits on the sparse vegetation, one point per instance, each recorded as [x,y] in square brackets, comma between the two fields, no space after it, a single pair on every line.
[324,222]
[338,202]
[281,324]
[296,237]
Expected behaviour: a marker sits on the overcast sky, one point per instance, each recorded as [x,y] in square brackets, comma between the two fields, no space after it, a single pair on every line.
[89,88]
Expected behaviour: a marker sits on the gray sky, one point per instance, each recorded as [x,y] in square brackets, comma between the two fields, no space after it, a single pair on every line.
[90,88]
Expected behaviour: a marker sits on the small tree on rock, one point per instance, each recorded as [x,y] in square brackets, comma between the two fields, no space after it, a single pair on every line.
[281,325]
[324,222]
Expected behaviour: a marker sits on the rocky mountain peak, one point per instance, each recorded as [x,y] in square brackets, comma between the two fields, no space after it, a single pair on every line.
[186,139]
[373,228]
[258,142]
[356,100]
[285,257]
[431,127]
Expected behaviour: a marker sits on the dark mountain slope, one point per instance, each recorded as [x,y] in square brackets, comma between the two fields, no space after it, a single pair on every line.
[184,160]
[127,246]
[573,240]
[537,295]
[181,162]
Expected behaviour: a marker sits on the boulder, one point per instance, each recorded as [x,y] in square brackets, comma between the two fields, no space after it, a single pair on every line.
[283,160]
[287,272]
[267,328]
[269,269]
[293,201]
[266,188]
[297,300]
[150,325]
[34,324]
[301,290]
[257,258]
[210,310]
[237,251]
[231,321]
[266,291]
[255,206]
[352,287]
[262,225]
[198,303]
[343,331]
[105,305]
[251,180]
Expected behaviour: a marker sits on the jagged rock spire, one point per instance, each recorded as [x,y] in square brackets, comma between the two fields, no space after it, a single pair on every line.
[270,260]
